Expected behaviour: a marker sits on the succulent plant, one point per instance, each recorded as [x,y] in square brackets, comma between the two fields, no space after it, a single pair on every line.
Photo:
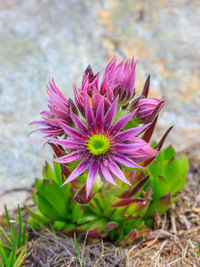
[118,213]
[102,145]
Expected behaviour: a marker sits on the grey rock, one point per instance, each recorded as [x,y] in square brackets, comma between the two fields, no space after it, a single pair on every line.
[38,40]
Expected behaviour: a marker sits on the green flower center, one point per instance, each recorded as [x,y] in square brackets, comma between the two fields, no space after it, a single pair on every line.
[98,144]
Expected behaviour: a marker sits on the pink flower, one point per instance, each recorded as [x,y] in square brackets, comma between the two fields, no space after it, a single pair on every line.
[102,146]
[119,79]
[59,108]
[147,107]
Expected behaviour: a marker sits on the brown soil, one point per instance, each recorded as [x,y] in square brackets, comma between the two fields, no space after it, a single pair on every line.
[172,245]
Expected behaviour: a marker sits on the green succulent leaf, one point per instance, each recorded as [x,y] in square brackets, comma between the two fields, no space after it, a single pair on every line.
[160,187]
[59,225]
[168,153]
[161,205]
[68,227]
[51,196]
[77,212]
[40,217]
[87,218]
[34,223]
[156,169]
[97,224]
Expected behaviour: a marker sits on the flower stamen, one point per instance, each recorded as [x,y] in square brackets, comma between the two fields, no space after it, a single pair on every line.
[98,144]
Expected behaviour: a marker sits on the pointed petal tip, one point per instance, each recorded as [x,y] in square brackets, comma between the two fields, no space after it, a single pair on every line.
[162,140]
[145,90]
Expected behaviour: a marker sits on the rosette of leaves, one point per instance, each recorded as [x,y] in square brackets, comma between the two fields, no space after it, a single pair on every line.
[167,177]
[55,203]
[117,213]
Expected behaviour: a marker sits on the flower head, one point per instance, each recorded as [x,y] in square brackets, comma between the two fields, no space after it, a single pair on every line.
[120,79]
[102,146]
[89,88]
[147,107]
[59,108]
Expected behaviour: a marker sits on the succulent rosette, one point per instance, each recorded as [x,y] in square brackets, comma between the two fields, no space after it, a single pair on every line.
[104,159]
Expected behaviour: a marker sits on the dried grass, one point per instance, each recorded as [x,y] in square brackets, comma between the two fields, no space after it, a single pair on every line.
[172,245]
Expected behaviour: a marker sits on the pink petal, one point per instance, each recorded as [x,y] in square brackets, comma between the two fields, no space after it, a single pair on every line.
[79,124]
[117,171]
[71,157]
[68,143]
[106,174]
[99,115]
[122,136]
[89,115]
[110,114]
[91,176]
[122,122]
[71,131]
[78,171]
[125,161]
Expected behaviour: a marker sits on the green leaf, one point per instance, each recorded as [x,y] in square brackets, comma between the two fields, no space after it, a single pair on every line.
[54,195]
[3,256]
[176,174]
[59,225]
[95,207]
[77,250]
[19,232]
[161,205]
[18,262]
[169,152]
[34,223]
[181,177]
[77,212]
[38,216]
[160,187]
[7,238]
[171,172]
[47,209]
[183,163]
[116,216]
[160,157]
[58,173]
[98,224]
[10,225]
[68,227]
[12,257]
[48,173]
[156,169]
[87,218]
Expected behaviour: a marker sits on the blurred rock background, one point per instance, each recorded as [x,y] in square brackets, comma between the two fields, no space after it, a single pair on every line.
[48,38]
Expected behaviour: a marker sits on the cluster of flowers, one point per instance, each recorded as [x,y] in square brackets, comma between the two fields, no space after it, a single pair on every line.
[105,129]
